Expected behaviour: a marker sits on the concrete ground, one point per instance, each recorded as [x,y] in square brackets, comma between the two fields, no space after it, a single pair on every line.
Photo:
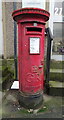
[52,107]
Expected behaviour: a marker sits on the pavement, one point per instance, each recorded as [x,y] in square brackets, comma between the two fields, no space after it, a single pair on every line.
[52,107]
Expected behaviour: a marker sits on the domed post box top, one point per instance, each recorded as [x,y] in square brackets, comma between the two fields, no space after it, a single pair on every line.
[31,14]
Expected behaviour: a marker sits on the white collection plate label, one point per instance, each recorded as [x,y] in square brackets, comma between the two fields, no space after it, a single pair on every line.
[34,45]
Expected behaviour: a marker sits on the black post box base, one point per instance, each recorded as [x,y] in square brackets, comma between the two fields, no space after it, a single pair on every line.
[31,101]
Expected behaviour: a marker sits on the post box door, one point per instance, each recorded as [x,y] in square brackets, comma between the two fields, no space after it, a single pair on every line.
[31,60]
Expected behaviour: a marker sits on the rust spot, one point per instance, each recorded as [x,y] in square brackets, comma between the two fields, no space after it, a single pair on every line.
[34,69]
[42,62]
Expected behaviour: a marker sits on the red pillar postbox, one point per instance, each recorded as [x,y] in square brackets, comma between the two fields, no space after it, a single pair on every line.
[31,36]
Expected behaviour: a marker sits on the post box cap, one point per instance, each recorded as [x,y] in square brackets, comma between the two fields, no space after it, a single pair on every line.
[30,11]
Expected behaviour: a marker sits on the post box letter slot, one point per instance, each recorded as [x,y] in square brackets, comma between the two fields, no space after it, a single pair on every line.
[34,45]
[34,29]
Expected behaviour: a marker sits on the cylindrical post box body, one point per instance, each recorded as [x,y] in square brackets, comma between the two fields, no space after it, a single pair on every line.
[31,36]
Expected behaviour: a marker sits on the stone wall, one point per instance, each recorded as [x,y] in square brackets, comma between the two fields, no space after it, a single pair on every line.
[8,28]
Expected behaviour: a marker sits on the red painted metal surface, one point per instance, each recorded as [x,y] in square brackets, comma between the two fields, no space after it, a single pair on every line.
[30,65]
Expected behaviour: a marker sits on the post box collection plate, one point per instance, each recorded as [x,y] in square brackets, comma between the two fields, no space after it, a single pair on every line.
[34,45]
